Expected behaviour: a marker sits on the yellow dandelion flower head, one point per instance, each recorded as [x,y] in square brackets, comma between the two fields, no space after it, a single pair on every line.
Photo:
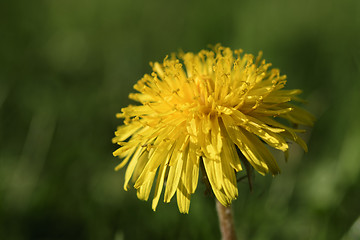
[210,109]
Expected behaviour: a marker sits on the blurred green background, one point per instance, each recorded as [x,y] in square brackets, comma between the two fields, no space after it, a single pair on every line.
[66,68]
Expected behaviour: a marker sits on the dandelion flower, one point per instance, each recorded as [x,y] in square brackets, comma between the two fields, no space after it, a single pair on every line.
[210,109]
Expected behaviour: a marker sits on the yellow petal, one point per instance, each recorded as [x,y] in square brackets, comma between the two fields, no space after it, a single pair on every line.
[230,182]
[183,196]
[125,131]
[262,154]
[131,167]
[192,169]
[175,169]
[159,185]
[300,116]
[143,191]
[245,146]
[213,170]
